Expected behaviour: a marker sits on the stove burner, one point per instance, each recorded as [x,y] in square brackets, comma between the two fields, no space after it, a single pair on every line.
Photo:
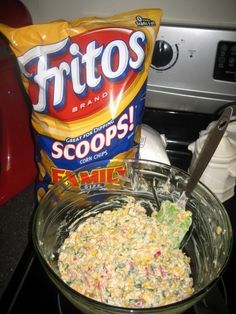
[65,307]
[206,306]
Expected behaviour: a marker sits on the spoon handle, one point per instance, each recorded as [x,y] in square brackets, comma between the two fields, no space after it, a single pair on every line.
[208,149]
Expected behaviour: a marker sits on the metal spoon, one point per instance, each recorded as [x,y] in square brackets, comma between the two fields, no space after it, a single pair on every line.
[206,153]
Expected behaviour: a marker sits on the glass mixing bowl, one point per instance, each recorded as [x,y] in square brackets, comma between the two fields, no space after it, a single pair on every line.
[82,194]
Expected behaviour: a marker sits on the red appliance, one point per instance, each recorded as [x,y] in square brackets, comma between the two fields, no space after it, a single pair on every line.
[17,164]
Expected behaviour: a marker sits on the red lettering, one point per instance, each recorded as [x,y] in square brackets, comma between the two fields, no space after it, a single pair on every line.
[102,175]
[89,178]
[59,174]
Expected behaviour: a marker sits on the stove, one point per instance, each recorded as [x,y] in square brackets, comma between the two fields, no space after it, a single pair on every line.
[31,291]
[193,69]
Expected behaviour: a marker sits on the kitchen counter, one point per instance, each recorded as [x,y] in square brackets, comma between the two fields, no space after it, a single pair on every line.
[15,220]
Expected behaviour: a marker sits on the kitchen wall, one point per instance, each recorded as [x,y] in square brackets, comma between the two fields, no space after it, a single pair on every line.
[217,13]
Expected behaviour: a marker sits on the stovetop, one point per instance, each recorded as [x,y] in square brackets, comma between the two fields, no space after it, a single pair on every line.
[31,291]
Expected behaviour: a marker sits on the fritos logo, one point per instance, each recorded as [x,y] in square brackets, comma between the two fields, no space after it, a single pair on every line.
[80,75]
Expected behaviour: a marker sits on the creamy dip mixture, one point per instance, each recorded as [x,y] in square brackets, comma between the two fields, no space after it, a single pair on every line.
[126,258]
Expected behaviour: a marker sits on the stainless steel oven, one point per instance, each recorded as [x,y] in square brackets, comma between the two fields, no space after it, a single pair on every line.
[193,69]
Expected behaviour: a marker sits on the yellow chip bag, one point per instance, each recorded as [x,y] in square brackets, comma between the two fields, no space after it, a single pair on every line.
[86,79]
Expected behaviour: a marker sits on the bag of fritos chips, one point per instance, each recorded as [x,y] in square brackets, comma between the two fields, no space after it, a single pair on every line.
[87,83]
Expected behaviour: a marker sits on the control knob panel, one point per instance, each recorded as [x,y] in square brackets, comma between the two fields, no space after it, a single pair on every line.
[164,55]
[225,62]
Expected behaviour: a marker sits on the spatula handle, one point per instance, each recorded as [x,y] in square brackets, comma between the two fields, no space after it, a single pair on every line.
[208,149]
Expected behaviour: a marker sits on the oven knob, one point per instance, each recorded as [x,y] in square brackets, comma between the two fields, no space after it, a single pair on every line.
[164,55]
